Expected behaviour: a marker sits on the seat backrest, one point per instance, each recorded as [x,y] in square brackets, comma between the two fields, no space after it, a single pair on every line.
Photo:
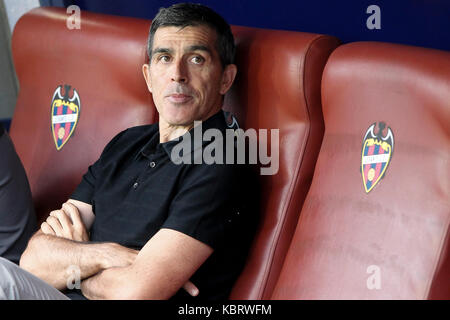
[375,223]
[102,61]
[278,87]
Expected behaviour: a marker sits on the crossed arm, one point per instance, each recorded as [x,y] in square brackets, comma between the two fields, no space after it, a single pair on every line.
[108,270]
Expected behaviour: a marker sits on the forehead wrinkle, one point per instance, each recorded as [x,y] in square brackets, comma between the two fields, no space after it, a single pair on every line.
[197,48]
[203,36]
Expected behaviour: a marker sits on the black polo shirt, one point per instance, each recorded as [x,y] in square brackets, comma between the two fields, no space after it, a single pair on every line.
[136,189]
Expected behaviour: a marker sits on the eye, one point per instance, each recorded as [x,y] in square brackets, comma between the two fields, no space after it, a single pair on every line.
[164,58]
[197,59]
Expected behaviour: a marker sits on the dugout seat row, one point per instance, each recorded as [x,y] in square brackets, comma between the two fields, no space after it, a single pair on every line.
[393,241]
[313,241]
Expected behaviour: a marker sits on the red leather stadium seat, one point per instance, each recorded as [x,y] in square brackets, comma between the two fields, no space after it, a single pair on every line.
[278,87]
[393,241]
[102,62]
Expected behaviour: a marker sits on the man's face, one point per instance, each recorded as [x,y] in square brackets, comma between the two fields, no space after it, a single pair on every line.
[185,75]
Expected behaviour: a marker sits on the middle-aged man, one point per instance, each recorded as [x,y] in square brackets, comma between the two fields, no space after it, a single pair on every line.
[139,225]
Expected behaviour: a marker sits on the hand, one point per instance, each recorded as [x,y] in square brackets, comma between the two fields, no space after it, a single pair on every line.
[66,223]
[116,256]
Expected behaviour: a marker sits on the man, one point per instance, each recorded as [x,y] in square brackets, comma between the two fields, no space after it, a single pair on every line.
[139,226]
[17,217]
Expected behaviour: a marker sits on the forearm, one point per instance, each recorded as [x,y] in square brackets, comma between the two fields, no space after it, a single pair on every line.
[50,257]
[126,283]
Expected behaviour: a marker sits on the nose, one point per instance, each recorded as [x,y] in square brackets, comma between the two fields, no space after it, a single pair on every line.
[179,72]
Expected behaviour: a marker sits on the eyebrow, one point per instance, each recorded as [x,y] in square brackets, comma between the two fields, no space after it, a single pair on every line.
[161,50]
[188,49]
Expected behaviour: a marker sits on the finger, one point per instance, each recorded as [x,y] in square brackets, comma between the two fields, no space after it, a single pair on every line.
[60,215]
[65,222]
[56,226]
[54,213]
[46,229]
[74,214]
[191,288]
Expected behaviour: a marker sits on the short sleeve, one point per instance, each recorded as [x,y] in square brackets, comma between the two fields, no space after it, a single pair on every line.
[205,206]
[85,190]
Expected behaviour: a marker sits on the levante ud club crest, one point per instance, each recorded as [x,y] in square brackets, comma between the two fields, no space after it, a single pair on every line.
[376,155]
[65,113]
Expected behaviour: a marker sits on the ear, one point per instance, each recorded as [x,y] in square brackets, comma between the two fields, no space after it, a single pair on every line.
[146,72]
[228,76]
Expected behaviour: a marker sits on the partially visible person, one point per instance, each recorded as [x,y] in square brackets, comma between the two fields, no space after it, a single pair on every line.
[141,224]
[17,217]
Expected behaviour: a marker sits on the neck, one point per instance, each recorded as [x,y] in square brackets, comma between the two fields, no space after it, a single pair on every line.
[169,132]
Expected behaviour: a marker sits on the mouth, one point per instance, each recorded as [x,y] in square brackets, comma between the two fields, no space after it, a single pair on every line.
[179,98]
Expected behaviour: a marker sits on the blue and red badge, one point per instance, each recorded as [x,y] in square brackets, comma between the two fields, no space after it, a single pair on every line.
[376,155]
[65,113]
